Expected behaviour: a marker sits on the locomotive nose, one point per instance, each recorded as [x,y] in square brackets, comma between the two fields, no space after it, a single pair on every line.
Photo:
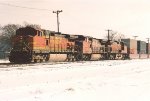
[18,38]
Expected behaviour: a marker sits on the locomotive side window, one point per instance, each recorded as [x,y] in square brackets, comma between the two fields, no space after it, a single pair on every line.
[39,33]
[47,42]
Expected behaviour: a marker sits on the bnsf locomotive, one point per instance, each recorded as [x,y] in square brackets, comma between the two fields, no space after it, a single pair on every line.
[37,45]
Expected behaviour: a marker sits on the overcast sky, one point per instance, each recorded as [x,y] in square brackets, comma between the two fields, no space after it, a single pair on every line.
[86,17]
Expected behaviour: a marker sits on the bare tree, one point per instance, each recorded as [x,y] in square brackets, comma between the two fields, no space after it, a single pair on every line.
[115,36]
[119,36]
[0,30]
[7,32]
[32,25]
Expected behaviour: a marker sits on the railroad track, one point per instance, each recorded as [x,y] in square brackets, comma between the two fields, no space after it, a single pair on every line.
[11,65]
[7,65]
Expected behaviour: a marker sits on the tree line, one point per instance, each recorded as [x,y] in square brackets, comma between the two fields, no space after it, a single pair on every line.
[8,31]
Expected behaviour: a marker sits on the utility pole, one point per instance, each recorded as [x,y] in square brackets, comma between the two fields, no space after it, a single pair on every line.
[148,48]
[107,45]
[57,12]
[135,37]
[108,34]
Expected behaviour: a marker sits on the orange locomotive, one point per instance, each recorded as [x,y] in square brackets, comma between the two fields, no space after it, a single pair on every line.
[37,45]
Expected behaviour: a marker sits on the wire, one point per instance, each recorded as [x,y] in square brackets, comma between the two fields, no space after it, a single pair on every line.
[6,4]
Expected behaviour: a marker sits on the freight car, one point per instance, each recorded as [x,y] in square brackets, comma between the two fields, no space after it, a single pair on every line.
[37,45]
[137,49]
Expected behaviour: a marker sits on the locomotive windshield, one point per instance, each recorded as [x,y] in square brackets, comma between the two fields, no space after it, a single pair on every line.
[26,31]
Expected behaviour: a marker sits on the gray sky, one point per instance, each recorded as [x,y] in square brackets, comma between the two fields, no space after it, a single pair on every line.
[86,17]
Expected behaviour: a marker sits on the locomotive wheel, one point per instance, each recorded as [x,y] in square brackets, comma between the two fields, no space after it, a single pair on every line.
[41,60]
[88,57]
[36,60]
[123,57]
[112,57]
[84,57]
[78,57]
[47,58]
[69,58]
[102,57]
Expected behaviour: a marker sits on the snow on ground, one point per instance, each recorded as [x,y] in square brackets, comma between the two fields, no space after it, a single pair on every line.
[118,80]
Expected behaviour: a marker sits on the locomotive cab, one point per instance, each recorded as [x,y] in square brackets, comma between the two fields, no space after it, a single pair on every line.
[23,44]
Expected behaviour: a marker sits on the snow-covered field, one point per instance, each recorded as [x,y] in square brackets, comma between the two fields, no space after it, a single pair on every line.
[117,80]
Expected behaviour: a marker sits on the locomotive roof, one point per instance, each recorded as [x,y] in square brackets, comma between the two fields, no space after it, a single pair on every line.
[25,31]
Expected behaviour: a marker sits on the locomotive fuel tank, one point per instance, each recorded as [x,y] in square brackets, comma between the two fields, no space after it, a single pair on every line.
[95,57]
[57,57]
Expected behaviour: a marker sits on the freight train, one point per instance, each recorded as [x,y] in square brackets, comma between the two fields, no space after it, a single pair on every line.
[38,45]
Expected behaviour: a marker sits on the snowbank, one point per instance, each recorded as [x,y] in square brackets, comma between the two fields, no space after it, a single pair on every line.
[116,80]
